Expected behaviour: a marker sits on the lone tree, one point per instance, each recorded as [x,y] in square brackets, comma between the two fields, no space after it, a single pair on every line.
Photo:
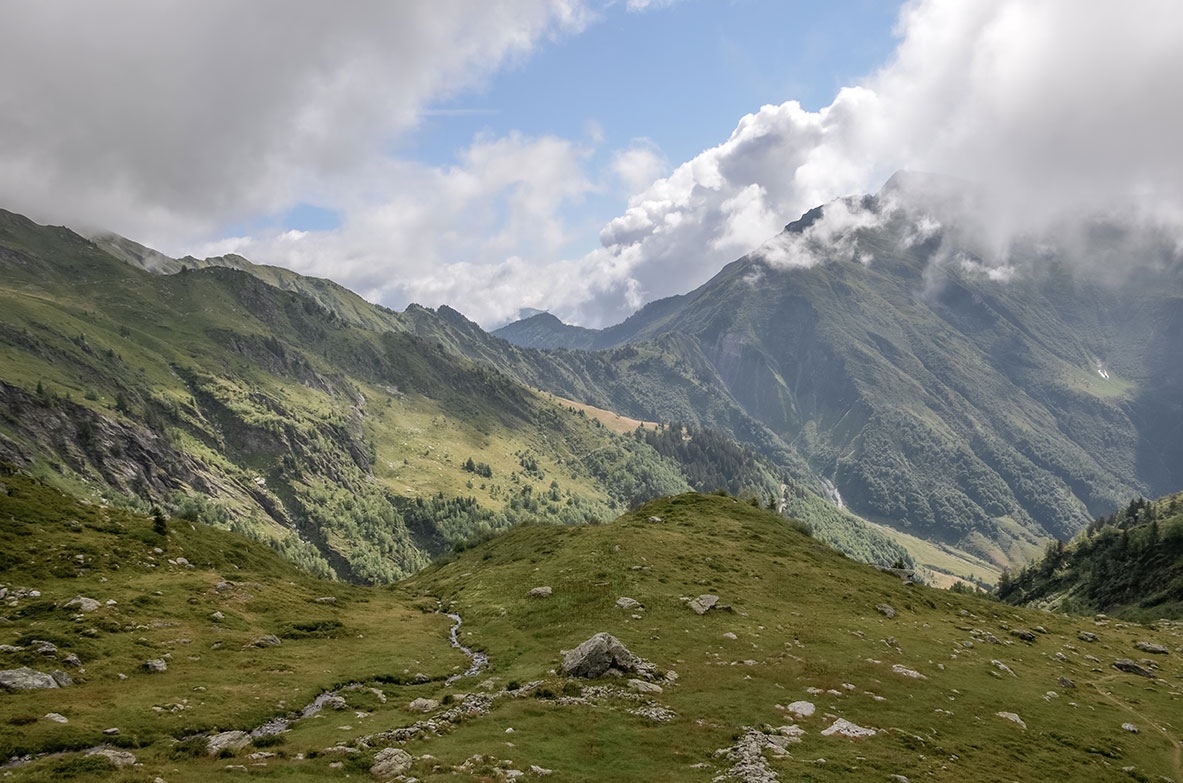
[159,523]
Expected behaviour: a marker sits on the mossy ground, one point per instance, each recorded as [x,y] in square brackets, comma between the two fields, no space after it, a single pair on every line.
[803,617]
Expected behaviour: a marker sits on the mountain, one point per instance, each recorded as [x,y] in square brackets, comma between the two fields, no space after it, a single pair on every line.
[288,408]
[809,666]
[1129,564]
[987,404]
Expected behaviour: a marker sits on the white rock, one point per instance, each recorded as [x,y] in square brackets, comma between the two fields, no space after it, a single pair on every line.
[540,592]
[119,758]
[56,717]
[83,604]
[1012,717]
[641,686]
[845,728]
[904,671]
[390,762]
[802,709]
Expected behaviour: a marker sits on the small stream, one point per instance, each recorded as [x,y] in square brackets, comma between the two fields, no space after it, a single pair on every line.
[479,659]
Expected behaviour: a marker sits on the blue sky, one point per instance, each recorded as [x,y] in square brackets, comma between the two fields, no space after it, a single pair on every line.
[580,156]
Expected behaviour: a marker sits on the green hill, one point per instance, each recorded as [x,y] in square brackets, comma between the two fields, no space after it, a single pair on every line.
[953,686]
[1129,564]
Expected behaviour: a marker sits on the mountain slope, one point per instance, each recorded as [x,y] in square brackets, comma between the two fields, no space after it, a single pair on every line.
[990,407]
[953,686]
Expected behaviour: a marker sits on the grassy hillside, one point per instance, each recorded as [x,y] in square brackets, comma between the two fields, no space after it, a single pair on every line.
[1129,564]
[804,624]
[291,410]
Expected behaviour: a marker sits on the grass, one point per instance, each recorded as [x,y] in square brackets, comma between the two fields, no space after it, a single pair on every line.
[803,617]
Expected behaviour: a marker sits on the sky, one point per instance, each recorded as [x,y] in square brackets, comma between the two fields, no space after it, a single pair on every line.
[578,156]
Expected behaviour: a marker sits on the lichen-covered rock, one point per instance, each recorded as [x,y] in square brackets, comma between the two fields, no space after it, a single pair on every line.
[390,762]
[24,679]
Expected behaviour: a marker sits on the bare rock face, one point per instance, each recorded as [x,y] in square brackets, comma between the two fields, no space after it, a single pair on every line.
[600,655]
[24,679]
[390,762]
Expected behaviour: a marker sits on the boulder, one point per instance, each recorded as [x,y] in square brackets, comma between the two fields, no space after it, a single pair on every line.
[642,686]
[887,610]
[802,709]
[1024,634]
[25,679]
[1012,717]
[82,604]
[1131,728]
[540,592]
[335,702]
[1087,636]
[655,520]
[904,671]
[227,740]
[390,762]
[844,728]
[628,603]
[600,655]
[423,705]
[266,640]
[118,758]
[704,603]
[56,717]
[61,678]
[156,665]
[1151,647]
[1065,682]
[1126,665]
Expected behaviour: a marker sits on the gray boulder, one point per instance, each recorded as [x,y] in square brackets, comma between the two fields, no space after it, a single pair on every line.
[1151,647]
[600,655]
[390,762]
[61,678]
[82,604]
[887,610]
[118,758]
[1126,665]
[1087,636]
[227,740]
[704,603]
[25,679]
[156,665]
[267,640]
[628,603]
[540,592]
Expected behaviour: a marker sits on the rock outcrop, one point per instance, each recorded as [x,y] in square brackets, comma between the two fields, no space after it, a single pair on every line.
[601,655]
[24,679]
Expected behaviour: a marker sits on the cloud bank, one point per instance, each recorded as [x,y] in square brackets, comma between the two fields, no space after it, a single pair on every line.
[164,119]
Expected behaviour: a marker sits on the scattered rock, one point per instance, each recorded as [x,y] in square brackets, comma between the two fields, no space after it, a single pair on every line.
[844,728]
[61,678]
[1040,629]
[56,717]
[72,660]
[1012,717]
[656,519]
[423,705]
[904,671]
[704,603]
[1024,634]
[642,686]
[25,679]
[540,592]
[747,754]
[82,604]
[1131,728]
[217,617]
[326,599]
[112,732]
[156,665]
[628,603]
[227,740]
[266,640]
[1087,636]
[730,635]
[600,655]
[335,702]
[1065,682]
[1061,657]
[1002,667]
[118,758]
[390,762]
[222,587]
[886,610]
[1151,647]
[1126,665]
[802,709]
[540,772]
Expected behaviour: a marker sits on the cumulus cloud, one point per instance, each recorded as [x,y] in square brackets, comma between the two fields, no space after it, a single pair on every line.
[164,118]
[1053,108]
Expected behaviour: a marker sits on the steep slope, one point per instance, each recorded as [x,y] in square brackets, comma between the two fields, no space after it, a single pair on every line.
[953,687]
[985,405]
[302,415]
[1129,564]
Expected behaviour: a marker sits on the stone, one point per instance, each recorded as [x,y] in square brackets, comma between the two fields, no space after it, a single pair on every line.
[111,732]
[844,728]
[266,640]
[1002,667]
[1151,647]
[26,679]
[1012,717]
[217,617]
[335,702]
[704,603]
[1024,634]
[423,705]
[642,686]
[628,604]
[1131,728]
[327,599]
[1065,682]
[904,671]
[118,758]
[540,592]
[886,610]
[82,604]
[61,678]
[600,655]
[802,709]
[655,519]
[390,762]
[730,635]
[222,587]
[1087,636]
[1126,665]
[791,733]
[156,665]
[227,740]
[539,772]
[56,717]
[72,660]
